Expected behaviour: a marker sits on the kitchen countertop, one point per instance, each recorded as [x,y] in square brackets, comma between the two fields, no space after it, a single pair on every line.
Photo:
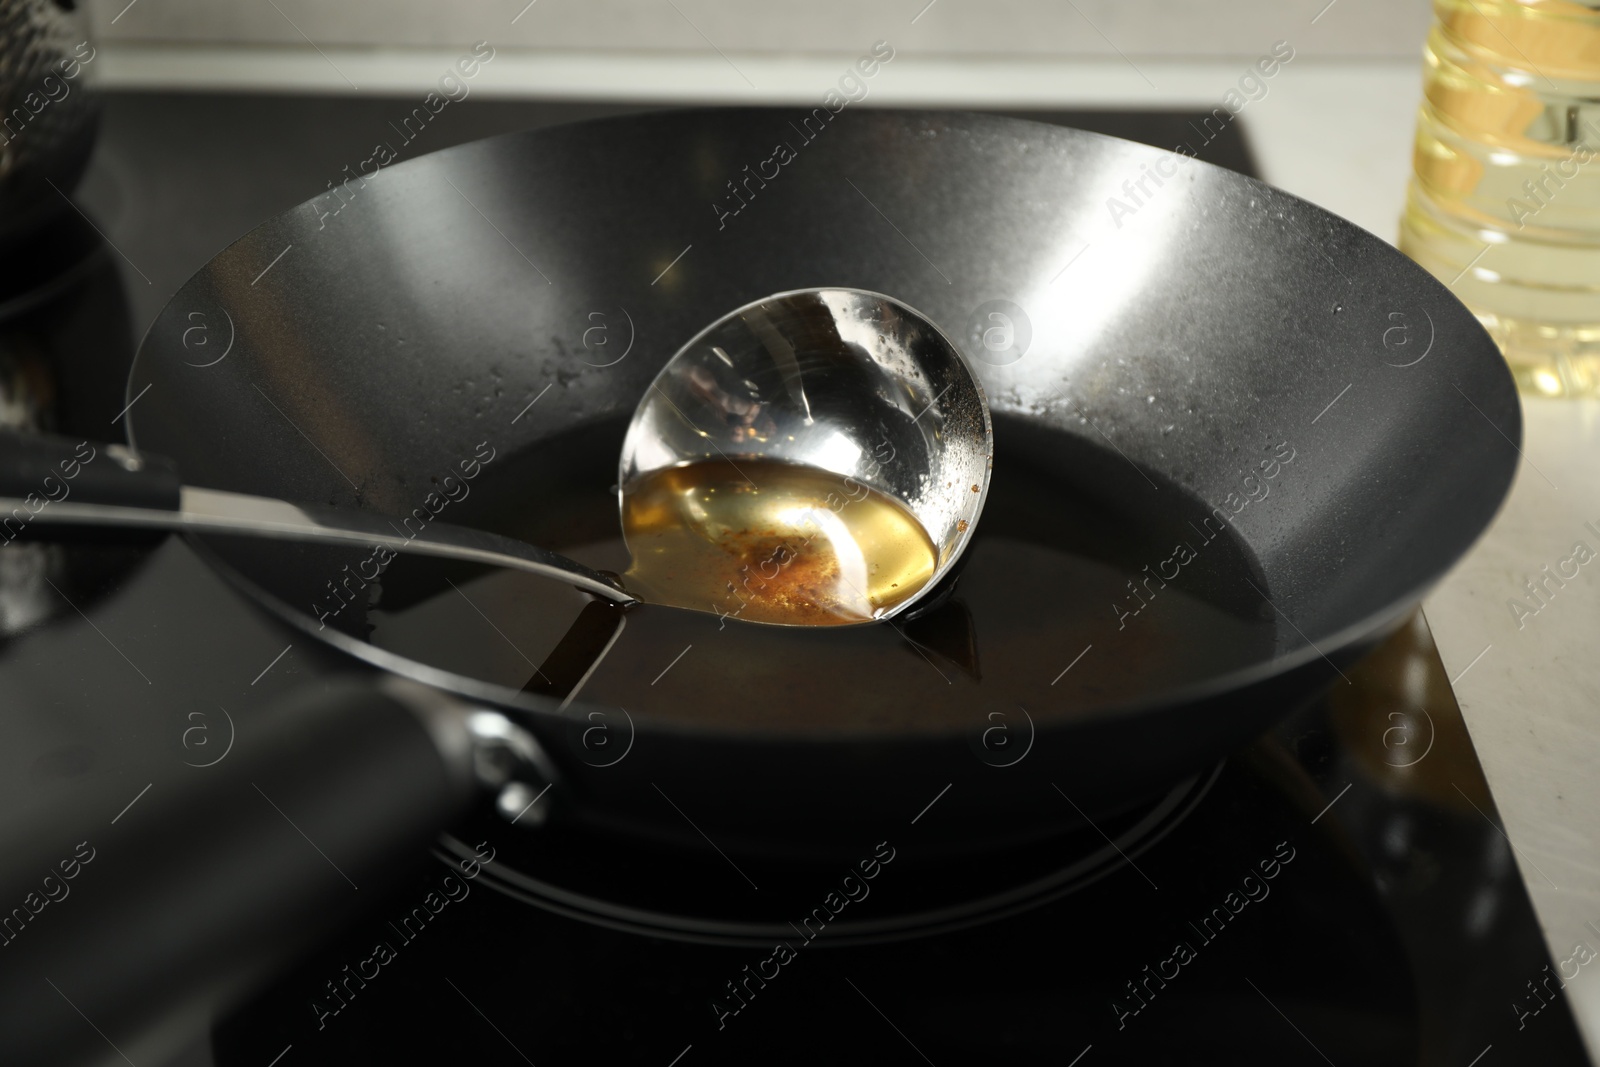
[1338,135]
[1526,679]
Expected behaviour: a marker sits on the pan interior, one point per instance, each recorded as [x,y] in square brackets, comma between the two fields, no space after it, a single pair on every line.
[1072,600]
[1227,367]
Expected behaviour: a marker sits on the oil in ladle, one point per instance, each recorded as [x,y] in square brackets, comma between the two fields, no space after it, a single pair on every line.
[766,541]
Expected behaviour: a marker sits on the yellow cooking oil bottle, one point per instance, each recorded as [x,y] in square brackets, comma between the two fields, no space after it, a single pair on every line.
[1504,202]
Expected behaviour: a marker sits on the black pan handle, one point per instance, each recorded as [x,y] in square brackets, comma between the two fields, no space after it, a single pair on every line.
[146,910]
[40,469]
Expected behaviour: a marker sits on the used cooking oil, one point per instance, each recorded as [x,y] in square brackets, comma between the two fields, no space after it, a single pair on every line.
[1504,205]
[1070,598]
[766,541]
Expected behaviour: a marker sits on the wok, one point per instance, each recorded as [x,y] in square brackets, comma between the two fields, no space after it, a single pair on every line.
[379,346]
[1178,316]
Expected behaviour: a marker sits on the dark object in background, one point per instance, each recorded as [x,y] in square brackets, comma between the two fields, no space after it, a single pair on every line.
[158,923]
[64,328]
[66,341]
[47,114]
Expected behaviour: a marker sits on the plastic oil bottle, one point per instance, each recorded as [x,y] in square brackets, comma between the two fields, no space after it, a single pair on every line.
[1504,204]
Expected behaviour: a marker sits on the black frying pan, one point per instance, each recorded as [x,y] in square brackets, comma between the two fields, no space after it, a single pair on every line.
[357,347]
[392,338]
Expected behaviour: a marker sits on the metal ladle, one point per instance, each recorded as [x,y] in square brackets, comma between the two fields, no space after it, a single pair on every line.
[845,381]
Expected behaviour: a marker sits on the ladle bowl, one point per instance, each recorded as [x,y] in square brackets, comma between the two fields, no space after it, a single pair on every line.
[844,381]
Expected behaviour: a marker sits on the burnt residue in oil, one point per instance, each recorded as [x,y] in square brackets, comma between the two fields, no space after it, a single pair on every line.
[768,542]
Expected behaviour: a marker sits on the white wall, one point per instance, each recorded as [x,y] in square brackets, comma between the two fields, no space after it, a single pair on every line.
[1036,28]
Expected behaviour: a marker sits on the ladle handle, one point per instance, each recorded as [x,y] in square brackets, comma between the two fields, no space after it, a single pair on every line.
[39,470]
[40,487]
[148,908]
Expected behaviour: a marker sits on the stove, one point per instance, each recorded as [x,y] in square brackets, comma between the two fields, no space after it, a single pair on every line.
[1340,891]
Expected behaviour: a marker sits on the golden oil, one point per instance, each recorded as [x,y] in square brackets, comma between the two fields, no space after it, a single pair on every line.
[1504,205]
[765,541]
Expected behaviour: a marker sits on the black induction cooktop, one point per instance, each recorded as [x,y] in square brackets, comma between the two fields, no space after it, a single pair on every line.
[1338,892]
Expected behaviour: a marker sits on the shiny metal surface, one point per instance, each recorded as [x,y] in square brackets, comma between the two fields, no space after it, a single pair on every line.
[215,511]
[841,380]
[480,746]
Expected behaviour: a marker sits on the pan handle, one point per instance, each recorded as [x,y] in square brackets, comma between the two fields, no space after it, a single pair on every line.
[149,918]
[41,469]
